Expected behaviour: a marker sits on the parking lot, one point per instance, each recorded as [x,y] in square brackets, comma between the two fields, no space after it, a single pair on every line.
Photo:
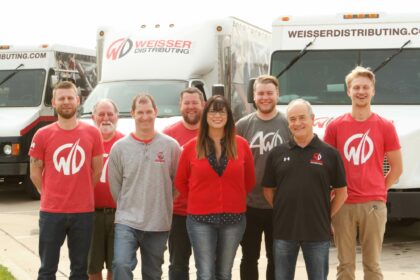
[19,245]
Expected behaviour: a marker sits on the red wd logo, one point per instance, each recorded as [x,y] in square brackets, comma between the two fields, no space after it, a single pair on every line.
[119,48]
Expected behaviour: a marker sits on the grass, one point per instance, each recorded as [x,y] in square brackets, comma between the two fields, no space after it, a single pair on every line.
[5,274]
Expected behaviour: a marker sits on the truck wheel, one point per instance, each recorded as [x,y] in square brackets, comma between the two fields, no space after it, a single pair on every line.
[30,189]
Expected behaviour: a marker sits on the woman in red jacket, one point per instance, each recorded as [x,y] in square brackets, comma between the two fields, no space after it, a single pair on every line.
[216,171]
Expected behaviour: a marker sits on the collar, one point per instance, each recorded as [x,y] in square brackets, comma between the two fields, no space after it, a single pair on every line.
[314,143]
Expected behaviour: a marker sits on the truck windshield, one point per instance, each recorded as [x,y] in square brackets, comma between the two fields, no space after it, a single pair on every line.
[319,76]
[23,89]
[165,94]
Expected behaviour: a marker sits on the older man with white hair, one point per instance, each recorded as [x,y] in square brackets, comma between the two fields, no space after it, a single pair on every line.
[297,182]
[105,118]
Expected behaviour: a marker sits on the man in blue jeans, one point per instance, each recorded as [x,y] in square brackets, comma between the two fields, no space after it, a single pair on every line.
[297,182]
[66,162]
[141,169]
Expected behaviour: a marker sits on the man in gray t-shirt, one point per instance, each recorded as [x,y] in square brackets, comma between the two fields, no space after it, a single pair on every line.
[142,167]
[264,130]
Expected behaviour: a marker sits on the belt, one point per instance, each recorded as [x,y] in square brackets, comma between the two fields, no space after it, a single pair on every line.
[106,210]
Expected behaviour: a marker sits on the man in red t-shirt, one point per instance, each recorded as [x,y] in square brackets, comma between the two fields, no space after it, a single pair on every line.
[105,117]
[363,139]
[191,106]
[65,164]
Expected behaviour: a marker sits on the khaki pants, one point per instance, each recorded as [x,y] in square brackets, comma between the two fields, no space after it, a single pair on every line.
[366,220]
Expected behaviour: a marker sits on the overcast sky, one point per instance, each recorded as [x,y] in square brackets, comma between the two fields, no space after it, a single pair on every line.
[74,22]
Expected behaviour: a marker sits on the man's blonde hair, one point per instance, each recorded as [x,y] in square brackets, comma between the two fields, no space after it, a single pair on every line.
[360,71]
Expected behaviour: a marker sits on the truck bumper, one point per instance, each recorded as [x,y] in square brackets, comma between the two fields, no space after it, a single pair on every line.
[13,169]
[404,205]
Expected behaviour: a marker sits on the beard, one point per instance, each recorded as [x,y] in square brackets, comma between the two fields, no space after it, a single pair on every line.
[66,113]
[107,128]
[191,119]
[266,110]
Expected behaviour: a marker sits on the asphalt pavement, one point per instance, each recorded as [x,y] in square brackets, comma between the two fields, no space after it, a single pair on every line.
[19,247]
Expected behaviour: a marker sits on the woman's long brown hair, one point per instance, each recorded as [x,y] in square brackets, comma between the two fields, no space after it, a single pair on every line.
[205,144]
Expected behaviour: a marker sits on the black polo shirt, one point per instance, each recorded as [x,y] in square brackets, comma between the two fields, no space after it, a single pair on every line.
[303,178]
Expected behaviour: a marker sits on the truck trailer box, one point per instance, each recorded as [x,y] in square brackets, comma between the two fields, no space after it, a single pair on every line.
[162,60]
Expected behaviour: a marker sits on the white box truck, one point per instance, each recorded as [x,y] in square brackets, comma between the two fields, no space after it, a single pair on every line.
[164,59]
[312,55]
[27,77]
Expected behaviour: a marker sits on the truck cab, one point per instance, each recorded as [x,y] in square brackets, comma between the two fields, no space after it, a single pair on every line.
[311,57]
[27,77]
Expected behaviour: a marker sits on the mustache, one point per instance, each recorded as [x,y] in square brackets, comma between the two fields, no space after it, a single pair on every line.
[107,123]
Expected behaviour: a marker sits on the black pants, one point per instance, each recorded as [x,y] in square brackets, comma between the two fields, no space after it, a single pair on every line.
[259,221]
[179,249]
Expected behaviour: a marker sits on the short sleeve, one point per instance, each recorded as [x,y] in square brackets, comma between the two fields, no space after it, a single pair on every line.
[98,148]
[339,176]
[36,149]
[330,134]
[392,142]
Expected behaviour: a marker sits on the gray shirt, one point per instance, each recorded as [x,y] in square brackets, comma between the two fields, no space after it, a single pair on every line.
[141,181]
[262,136]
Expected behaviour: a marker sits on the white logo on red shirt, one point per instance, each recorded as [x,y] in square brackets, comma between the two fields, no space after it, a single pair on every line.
[103,174]
[362,152]
[69,165]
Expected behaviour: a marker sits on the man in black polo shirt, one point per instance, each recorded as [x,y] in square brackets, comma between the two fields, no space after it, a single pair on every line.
[297,182]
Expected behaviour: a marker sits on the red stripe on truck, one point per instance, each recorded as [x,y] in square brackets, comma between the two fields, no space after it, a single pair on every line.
[37,121]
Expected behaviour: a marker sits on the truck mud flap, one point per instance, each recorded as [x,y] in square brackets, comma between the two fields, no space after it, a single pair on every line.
[404,205]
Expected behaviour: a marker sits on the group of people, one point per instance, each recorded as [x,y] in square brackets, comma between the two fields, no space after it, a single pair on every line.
[206,186]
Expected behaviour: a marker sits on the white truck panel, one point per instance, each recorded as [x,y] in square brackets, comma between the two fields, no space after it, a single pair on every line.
[336,33]
[338,44]
[168,53]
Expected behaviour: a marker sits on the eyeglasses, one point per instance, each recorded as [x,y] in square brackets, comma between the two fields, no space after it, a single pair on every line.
[221,113]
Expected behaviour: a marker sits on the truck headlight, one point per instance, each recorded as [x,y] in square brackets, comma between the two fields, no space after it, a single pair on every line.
[11,149]
[7,149]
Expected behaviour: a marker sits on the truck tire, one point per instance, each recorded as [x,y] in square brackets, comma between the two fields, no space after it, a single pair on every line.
[30,189]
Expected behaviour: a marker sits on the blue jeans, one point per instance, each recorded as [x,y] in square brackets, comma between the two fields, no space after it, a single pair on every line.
[179,249]
[152,247]
[53,230]
[315,255]
[214,248]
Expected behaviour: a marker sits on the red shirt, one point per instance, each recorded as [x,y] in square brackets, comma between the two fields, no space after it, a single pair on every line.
[67,176]
[362,146]
[181,134]
[103,197]
[209,193]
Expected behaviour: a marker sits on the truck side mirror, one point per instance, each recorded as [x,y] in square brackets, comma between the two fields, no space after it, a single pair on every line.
[218,89]
[250,90]
[53,80]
